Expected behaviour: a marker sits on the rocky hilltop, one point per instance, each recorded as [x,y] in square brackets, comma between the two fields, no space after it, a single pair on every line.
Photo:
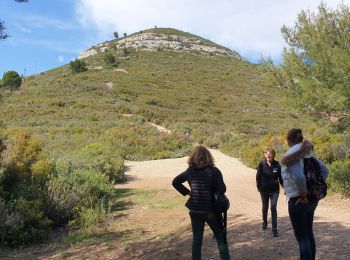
[162,39]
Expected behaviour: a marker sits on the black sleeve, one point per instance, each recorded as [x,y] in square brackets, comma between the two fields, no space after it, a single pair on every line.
[220,186]
[279,174]
[177,183]
[258,176]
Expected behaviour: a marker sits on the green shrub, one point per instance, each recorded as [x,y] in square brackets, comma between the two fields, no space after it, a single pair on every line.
[125,51]
[25,222]
[113,169]
[339,177]
[69,194]
[12,80]
[78,66]
[109,59]
[22,217]
[41,169]
[90,216]
[17,158]
[62,199]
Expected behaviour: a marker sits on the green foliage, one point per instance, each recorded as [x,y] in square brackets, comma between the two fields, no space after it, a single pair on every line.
[328,147]
[316,65]
[339,177]
[25,222]
[316,72]
[116,35]
[16,160]
[71,193]
[22,217]
[100,158]
[125,52]
[42,168]
[78,66]
[12,80]
[37,193]
[110,60]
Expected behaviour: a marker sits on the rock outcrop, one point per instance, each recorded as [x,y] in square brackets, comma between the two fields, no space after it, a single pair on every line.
[148,41]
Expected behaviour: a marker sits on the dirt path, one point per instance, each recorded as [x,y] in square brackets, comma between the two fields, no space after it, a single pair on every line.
[246,239]
[151,221]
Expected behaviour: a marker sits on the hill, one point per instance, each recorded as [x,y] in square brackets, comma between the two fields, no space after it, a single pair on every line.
[164,76]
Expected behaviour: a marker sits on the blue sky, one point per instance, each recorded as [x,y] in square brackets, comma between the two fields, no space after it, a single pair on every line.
[47,34]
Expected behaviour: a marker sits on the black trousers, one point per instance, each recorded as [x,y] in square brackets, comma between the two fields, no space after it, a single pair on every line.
[266,197]
[198,221]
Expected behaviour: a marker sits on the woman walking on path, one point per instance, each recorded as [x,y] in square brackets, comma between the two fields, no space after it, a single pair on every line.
[268,180]
[300,208]
[204,180]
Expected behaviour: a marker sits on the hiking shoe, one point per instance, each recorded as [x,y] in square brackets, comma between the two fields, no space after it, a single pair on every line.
[275,233]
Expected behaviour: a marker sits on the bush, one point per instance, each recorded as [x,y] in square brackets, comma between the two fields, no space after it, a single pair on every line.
[25,222]
[339,177]
[78,66]
[42,168]
[70,194]
[12,80]
[110,60]
[22,216]
[95,156]
[17,158]
[125,52]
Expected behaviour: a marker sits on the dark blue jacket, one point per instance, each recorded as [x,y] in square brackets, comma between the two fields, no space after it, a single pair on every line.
[203,182]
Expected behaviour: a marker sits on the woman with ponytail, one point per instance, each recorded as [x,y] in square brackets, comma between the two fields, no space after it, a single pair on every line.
[301,209]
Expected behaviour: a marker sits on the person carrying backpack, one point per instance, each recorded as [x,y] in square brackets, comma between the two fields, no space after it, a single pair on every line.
[268,180]
[205,181]
[297,178]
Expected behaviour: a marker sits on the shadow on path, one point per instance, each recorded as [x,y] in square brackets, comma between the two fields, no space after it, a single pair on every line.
[246,241]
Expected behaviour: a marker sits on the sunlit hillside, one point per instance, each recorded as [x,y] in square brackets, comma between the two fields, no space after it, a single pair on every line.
[164,76]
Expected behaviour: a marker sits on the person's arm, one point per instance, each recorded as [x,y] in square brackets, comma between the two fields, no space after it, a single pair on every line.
[220,185]
[279,174]
[295,156]
[258,176]
[177,184]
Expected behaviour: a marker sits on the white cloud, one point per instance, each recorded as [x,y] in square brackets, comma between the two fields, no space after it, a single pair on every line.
[251,27]
[60,58]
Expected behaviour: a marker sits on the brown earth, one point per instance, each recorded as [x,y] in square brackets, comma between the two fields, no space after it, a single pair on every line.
[158,227]
[245,237]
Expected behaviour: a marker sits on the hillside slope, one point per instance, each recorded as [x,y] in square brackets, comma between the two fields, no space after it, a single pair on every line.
[202,86]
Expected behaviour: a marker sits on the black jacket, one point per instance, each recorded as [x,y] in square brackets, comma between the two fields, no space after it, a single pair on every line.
[203,181]
[268,177]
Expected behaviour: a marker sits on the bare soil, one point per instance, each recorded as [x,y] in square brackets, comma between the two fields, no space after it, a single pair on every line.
[245,237]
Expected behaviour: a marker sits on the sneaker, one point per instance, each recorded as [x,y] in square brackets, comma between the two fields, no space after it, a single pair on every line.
[275,233]
[264,226]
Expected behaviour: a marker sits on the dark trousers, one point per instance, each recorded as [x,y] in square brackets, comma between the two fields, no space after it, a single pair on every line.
[302,217]
[265,198]
[198,221]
